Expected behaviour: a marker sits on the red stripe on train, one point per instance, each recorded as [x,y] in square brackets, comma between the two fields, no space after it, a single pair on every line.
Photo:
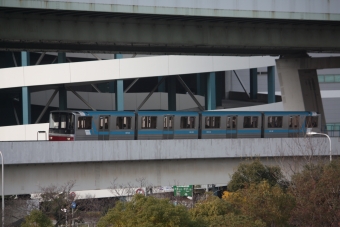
[61,138]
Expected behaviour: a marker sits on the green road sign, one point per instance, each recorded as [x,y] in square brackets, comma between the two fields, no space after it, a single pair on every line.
[183,190]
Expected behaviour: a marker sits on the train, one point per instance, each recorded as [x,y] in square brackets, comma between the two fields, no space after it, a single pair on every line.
[74,125]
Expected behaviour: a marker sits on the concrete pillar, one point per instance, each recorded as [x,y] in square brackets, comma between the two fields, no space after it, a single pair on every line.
[253,83]
[26,95]
[119,90]
[271,84]
[228,82]
[171,81]
[211,92]
[300,89]
[62,89]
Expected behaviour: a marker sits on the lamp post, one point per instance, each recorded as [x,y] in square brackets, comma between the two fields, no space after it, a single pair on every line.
[2,194]
[310,133]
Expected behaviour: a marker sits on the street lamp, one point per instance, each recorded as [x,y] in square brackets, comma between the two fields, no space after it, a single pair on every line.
[310,133]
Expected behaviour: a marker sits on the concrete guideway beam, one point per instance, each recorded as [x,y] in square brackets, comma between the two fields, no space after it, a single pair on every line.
[95,164]
[70,33]
[115,69]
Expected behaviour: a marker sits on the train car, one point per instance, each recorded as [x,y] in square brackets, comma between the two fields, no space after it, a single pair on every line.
[231,124]
[218,125]
[282,124]
[154,125]
[91,125]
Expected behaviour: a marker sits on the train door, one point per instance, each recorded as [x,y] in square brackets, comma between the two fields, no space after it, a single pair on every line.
[231,127]
[294,126]
[103,129]
[168,127]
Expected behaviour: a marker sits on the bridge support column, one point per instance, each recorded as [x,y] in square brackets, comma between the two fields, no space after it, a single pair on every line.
[119,90]
[299,83]
[271,84]
[253,83]
[171,81]
[26,95]
[62,89]
[210,103]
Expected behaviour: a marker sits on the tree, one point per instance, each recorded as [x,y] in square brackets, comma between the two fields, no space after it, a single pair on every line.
[146,211]
[317,193]
[37,219]
[215,212]
[254,172]
[55,198]
[263,202]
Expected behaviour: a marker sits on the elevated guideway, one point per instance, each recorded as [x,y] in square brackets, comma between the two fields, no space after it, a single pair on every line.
[100,164]
[218,27]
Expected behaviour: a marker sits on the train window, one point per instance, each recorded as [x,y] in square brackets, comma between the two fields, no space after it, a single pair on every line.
[149,122]
[212,122]
[54,120]
[167,122]
[84,122]
[250,122]
[104,122]
[275,122]
[231,121]
[311,122]
[123,122]
[187,122]
[294,121]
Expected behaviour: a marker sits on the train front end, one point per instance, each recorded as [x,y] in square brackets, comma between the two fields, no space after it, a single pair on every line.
[62,126]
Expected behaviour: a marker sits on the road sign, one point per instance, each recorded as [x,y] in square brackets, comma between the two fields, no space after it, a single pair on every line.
[72,195]
[73,205]
[140,191]
[183,190]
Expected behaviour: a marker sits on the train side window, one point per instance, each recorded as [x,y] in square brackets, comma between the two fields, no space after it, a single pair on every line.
[84,122]
[104,122]
[212,122]
[166,123]
[294,122]
[311,121]
[250,122]
[149,122]
[123,122]
[231,122]
[187,122]
[275,122]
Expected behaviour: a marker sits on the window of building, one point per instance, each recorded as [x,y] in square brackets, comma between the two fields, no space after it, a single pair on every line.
[275,122]
[149,122]
[187,122]
[329,78]
[123,122]
[212,122]
[311,122]
[84,122]
[250,122]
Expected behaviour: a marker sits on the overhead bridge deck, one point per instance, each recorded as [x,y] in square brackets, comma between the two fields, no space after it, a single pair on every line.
[104,164]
